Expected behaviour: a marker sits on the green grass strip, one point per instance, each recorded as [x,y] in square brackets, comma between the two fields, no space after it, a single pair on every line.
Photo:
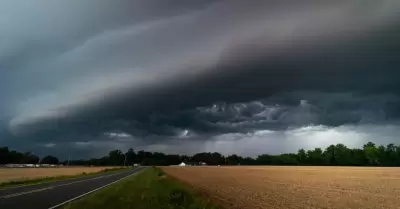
[148,189]
[26,182]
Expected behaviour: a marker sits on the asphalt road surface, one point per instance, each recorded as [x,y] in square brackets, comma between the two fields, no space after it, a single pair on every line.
[51,195]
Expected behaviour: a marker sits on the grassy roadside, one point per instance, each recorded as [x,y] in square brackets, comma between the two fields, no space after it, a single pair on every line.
[148,189]
[25,182]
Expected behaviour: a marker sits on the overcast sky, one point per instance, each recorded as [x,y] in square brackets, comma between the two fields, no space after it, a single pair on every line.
[185,76]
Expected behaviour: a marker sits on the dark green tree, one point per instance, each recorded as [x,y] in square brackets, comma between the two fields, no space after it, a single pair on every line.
[233,160]
[116,157]
[330,155]
[315,157]
[302,156]
[287,159]
[4,155]
[29,158]
[391,154]
[342,155]
[130,157]
[49,160]
[371,153]
[266,159]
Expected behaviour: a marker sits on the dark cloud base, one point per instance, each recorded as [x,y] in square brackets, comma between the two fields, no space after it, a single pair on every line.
[278,112]
[340,76]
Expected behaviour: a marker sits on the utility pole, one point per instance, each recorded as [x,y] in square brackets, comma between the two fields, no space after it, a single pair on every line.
[125,160]
[69,158]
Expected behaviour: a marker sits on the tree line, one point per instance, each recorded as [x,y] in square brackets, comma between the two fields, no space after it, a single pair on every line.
[369,155]
[13,157]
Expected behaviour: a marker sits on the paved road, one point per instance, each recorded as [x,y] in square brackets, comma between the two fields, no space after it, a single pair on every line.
[48,195]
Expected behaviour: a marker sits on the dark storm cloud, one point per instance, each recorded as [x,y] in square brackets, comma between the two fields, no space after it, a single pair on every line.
[163,69]
[278,112]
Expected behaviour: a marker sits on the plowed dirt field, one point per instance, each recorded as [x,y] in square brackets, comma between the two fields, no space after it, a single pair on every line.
[294,187]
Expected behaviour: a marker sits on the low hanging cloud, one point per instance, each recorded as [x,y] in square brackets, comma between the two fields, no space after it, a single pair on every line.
[148,73]
[245,144]
[280,123]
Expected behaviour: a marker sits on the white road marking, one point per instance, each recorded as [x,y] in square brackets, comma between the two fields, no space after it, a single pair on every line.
[28,192]
[51,187]
[77,197]
[48,182]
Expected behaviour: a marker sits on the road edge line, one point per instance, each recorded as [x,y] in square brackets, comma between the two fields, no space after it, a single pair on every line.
[82,195]
[61,185]
[27,185]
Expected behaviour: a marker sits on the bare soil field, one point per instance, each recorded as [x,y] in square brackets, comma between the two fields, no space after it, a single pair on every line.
[251,187]
[9,174]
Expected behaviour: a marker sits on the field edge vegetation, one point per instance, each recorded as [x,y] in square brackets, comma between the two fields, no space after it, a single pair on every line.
[47,179]
[370,154]
[149,188]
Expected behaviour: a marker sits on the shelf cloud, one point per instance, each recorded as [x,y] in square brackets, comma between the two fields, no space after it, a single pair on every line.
[183,75]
